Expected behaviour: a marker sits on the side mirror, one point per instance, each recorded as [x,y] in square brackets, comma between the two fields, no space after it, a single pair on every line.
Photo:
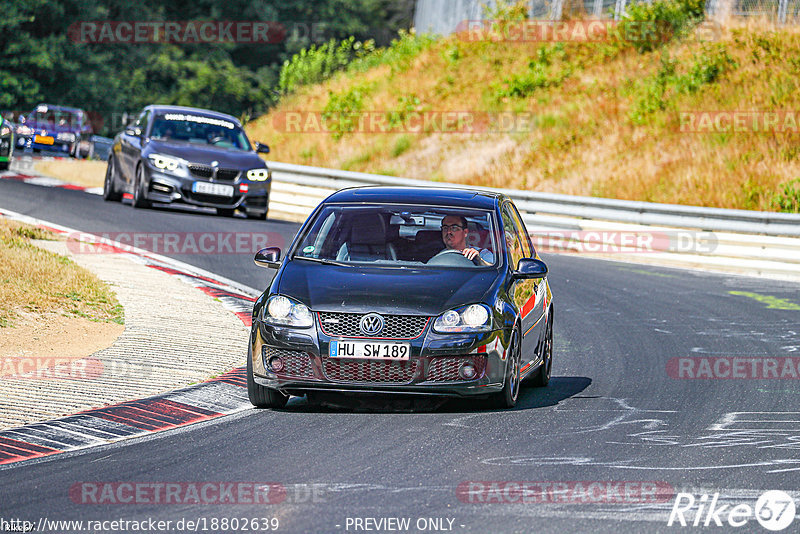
[530,268]
[268,257]
[263,149]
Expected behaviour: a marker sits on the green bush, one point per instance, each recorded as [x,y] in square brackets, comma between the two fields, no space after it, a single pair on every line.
[788,200]
[647,26]
[341,113]
[317,64]
[539,74]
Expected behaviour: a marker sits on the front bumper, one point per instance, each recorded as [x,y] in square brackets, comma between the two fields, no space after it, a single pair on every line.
[167,189]
[432,368]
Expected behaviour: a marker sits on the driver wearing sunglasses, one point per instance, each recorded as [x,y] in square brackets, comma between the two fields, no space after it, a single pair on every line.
[454,235]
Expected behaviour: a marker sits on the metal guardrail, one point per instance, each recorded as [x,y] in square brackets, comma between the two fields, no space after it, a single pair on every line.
[544,204]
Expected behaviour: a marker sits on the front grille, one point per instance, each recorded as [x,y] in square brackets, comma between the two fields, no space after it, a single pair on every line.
[212,199]
[396,326]
[445,368]
[201,171]
[227,175]
[297,363]
[206,171]
[368,371]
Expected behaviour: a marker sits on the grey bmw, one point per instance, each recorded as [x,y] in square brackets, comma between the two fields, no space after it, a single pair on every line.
[173,154]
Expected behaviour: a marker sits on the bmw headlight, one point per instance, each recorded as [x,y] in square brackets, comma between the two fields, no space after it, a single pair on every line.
[164,163]
[66,136]
[285,311]
[472,318]
[258,175]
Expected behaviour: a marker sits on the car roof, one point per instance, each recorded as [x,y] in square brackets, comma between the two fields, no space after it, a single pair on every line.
[58,108]
[157,108]
[442,196]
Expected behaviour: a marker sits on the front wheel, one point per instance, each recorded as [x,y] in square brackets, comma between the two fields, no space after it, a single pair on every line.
[260,396]
[110,192]
[543,374]
[139,200]
[507,398]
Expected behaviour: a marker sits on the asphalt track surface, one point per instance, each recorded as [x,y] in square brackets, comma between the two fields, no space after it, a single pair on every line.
[612,412]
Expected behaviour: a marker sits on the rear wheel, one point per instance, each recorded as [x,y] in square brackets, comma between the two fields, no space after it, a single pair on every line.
[260,396]
[139,200]
[110,192]
[507,398]
[543,374]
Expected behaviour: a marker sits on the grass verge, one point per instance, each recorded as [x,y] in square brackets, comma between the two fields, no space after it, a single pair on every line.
[37,282]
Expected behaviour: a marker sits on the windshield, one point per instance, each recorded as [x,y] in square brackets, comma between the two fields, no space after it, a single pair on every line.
[400,236]
[199,130]
[55,118]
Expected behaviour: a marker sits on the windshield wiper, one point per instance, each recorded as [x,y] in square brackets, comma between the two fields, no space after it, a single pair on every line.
[322,261]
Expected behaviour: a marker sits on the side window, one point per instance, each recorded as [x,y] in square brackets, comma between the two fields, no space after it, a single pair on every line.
[525,239]
[513,241]
[141,122]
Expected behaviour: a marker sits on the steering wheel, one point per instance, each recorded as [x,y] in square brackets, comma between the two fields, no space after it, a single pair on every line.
[450,257]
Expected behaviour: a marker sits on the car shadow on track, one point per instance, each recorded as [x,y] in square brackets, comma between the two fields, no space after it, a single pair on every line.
[560,388]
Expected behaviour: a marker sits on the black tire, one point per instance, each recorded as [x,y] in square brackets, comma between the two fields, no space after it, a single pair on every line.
[260,215]
[225,212]
[542,377]
[507,398]
[139,200]
[260,396]
[110,193]
[4,165]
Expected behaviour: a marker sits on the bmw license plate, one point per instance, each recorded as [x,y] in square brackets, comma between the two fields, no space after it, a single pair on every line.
[369,350]
[220,190]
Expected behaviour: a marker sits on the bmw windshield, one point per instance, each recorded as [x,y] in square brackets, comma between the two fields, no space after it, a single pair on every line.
[198,129]
[399,236]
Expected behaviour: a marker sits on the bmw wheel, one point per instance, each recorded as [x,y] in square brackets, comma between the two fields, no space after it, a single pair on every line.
[139,200]
[110,192]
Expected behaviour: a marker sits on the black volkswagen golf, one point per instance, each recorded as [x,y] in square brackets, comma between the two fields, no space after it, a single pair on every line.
[174,154]
[404,290]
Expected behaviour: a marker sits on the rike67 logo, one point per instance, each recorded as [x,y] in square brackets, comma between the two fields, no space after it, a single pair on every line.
[774,510]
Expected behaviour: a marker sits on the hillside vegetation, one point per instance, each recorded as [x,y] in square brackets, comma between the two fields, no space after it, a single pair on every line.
[605,116]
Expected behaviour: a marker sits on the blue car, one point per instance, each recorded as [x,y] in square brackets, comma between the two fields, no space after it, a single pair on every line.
[61,129]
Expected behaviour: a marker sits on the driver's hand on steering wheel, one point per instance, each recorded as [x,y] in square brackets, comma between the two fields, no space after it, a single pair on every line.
[470,253]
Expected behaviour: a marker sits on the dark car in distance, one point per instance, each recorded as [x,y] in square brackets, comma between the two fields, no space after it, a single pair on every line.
[6,143]
[173,154]
[57,128]
[370,299]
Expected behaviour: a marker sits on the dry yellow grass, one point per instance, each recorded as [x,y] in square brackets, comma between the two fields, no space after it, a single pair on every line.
[86,173]
[587,139]
[36,283]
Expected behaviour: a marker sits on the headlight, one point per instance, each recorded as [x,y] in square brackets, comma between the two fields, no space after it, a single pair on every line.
[66,136]
[258,175]
[284,311]
[24,130]
[164,162]
[472,318]
[5,130]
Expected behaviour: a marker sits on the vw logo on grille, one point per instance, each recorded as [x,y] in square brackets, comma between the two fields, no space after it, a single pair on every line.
[371,324]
